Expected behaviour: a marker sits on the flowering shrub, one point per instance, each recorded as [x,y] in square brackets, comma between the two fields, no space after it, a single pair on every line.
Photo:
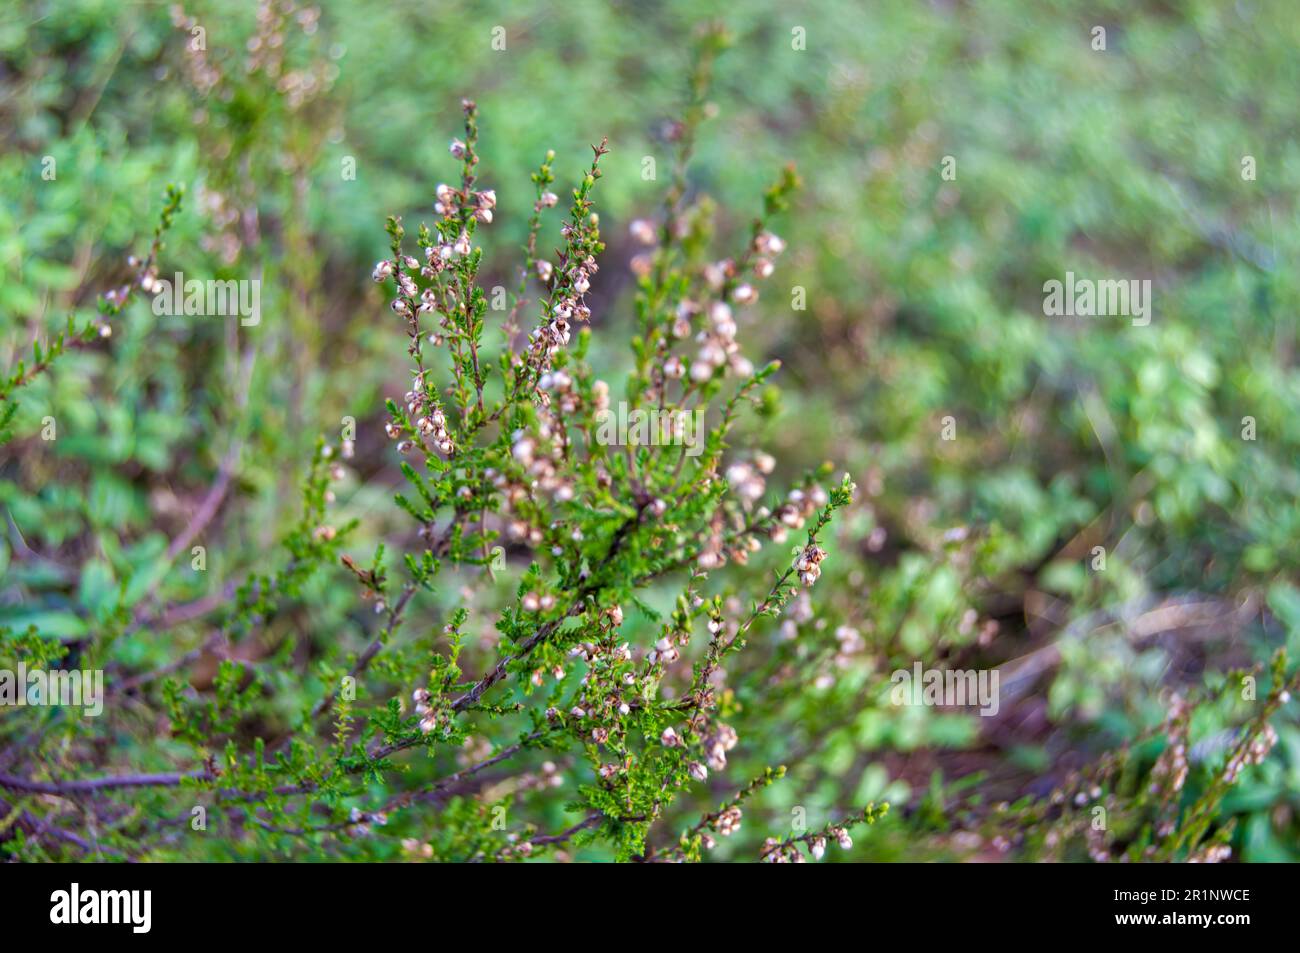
[589,526]
[596,523]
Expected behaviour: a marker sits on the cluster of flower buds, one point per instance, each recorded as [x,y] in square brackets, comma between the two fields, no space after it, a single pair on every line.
[559,386]
[850,644]
[718,346]
[717,341]
[686,311]
[433,427]
[406,286]
[452,204]
[799,507]
[539,675]
[1213,854]
[717,745]
[147,279]
[746,478]
[547,339]
[568,305]
[1254,754]
[775,852]
[664,653]
[739,553]
[766,247]
[643,231]
[1098,849]
[428,716]
[711,554]
[485,202]
[606,688]
[1082,797]
[532,602]
[415,849]
[430,421]
[1172,765]
[728,822]
[808,563]
[515,492]
[571,278]
[116,298]
[516,847]
[440,255]
[539,454]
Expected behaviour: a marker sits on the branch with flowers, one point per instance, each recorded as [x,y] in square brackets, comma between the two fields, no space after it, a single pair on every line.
[791,849]
[500,445]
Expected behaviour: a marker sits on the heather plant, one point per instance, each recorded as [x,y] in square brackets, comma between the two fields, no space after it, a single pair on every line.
[589,525]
